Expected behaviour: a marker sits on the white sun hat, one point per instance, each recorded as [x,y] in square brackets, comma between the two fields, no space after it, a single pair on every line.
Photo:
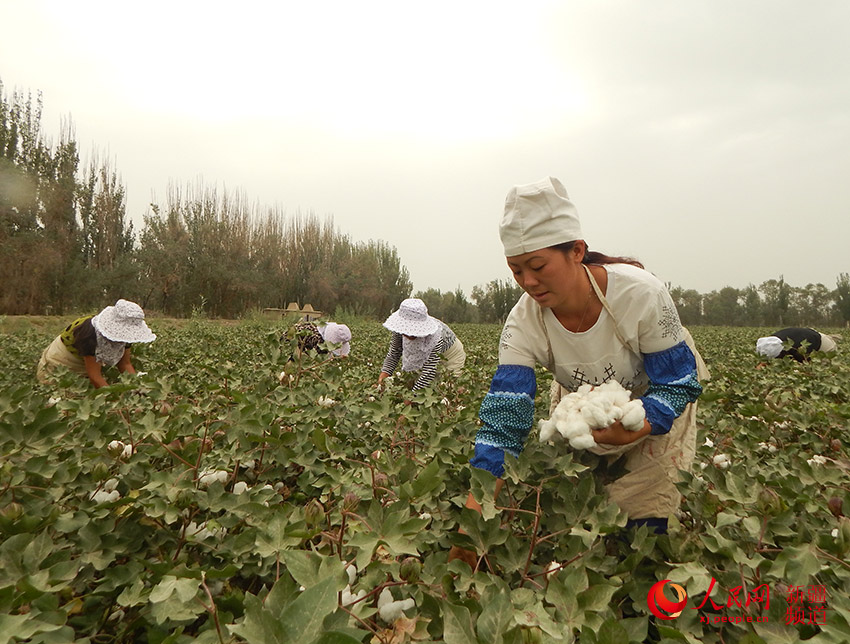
[412,319]
[538,215]
[337,334]
[124,322]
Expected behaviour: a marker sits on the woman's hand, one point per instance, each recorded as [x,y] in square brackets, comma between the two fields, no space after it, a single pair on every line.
[124,365]
[94,371]
[616,434]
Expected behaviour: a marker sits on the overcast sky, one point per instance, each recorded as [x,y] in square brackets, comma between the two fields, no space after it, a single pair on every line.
[709,139]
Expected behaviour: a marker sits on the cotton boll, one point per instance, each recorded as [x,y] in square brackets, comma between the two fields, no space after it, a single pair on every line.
[722,461]
[110,485]
[115,448]
[351,570]
[547,430]
[615,413]
[390,610]
[582,441]
[573,428]
[102,496]
[633,415]
[594,415]
[348,598]
[616,393]
[208,477]
[239,487]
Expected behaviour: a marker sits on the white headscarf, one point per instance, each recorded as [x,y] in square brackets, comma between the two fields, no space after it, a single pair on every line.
[769,346]
[108,352]
[416,351]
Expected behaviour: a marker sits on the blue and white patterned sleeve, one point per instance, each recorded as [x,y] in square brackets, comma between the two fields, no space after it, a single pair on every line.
[673,385]
[507,415]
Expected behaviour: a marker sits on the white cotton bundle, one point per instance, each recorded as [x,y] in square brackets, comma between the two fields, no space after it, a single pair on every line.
[588,408]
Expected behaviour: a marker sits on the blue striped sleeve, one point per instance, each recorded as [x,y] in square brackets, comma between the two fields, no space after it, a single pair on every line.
[507,415]
[673,385]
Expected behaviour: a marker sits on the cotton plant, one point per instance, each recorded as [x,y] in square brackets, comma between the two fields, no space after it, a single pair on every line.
[588,408]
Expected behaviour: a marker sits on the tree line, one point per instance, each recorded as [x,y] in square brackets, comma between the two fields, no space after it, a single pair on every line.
[774,303]
[67,245]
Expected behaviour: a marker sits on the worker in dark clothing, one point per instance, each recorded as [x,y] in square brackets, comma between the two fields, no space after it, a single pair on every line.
[803,342]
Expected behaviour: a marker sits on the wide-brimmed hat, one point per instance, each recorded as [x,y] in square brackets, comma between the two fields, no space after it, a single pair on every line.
[124,322]
[538,215]
[412,319]
[337,334]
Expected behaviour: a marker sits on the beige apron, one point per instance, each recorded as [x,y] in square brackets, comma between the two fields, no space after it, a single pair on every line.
[57,355]
[454,357]
[648,489]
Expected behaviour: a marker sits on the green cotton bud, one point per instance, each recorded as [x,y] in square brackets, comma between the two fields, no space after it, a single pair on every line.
[13,511]
[410,569]
[314,512]
[350,502]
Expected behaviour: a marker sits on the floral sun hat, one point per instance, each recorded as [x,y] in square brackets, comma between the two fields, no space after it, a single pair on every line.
[412,319]
[124,322]
[337,334]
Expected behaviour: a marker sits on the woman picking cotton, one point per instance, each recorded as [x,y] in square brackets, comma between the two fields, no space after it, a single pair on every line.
[90,343]
[590,319]
[420,342]
[320,338]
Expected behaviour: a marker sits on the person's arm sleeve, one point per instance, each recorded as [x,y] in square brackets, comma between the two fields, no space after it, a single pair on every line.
[673,384]
[507,415]
[429,369]
[393,355]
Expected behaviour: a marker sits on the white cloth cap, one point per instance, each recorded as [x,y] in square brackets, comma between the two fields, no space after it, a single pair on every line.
[337,334]
[124,322]
[769,346]
[827,343]
[538,215]
[412,319]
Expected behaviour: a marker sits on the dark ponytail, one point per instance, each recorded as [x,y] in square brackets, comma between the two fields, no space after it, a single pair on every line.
[594,257]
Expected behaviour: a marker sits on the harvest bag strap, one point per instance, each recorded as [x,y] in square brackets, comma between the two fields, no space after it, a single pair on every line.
[605,304]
